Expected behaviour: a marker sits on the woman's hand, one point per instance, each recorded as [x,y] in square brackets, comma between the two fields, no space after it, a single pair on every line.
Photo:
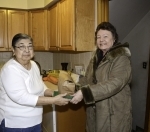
[48,92]
[78,96]
[60,100]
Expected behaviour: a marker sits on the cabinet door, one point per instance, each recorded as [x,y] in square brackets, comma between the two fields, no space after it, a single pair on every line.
[65,25]
[52,29]
[38,29]
[85,25]
[3,31]
[71,118]
[17,23]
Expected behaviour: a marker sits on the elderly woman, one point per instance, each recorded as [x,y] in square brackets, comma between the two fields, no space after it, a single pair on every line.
[107,95]
[22,91]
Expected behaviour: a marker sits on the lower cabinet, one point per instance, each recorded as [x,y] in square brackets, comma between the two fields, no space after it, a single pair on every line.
[47,123]
[69,118]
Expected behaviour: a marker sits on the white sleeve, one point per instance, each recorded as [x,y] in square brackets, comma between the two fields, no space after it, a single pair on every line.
[14,85]
[38,72]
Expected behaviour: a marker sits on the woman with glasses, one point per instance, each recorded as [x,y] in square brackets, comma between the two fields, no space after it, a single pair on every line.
[22,91]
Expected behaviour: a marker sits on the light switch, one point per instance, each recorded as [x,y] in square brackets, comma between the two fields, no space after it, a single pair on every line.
[144,65]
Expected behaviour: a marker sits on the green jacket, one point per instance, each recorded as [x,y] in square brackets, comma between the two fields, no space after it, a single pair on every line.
[109,101]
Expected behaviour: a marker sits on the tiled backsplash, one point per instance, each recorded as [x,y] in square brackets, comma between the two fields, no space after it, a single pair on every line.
[44,58]
[50,60]
[5,56]
[72,59]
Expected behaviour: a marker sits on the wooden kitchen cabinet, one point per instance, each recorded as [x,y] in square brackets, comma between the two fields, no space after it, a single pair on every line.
[53,28]
[69,118]
[66,14]
[73,26]
[69,25]
[3,30]
[38,29]
[11,23]
[17,23]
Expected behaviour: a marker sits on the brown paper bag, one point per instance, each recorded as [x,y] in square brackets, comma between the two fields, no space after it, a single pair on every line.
[65,83]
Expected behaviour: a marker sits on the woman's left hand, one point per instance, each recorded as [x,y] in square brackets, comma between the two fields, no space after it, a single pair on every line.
[78,96]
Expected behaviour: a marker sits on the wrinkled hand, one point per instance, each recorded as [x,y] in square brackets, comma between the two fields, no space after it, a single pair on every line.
[59,100]
[77,97]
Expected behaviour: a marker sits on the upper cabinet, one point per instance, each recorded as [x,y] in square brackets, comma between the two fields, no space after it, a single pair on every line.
[53,28]
[74,25]
[38,29]
[84,25]
[66,32]
[68,25]
[11,23]
[3,30]
[17,23]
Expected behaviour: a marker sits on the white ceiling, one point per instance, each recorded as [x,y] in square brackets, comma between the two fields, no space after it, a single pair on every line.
[125,14]
[26,4]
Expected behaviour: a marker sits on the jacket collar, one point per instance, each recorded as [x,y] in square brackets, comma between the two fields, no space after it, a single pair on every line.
[117,50]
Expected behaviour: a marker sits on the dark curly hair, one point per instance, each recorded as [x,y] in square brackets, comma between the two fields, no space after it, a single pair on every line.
[107,26]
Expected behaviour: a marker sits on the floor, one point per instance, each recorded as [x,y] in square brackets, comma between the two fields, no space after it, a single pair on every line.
[138,129]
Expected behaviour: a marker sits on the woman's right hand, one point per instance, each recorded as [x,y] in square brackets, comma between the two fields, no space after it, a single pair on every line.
[60,100]
[78,96]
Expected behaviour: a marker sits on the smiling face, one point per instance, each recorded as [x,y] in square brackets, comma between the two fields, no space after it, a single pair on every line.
[104,40]
[23,55]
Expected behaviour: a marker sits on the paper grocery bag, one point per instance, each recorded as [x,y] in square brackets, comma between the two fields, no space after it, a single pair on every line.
[65,83]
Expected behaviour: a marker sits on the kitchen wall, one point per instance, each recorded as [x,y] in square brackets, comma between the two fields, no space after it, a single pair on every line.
[132,19]
[15,4]
[72,59]
[125,14]
[4,57]
[139,40]
[35,4]
[44,58]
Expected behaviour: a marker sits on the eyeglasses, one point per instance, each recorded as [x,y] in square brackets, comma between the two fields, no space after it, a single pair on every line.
[24,47]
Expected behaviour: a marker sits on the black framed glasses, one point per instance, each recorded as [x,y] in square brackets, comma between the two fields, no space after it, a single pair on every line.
[30,47]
